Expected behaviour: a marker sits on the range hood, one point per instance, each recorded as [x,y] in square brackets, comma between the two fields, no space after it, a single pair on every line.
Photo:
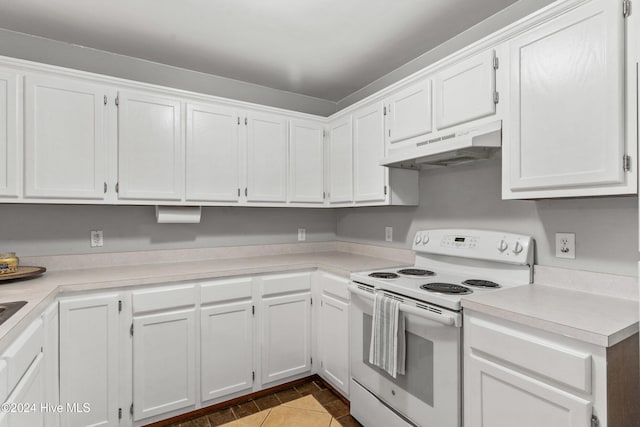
[449,149]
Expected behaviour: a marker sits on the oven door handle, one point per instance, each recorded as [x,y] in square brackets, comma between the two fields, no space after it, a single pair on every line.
[448,319]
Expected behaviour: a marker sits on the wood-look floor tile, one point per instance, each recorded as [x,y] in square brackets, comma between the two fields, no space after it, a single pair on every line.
[197,422]
[244,409]
[307,388]
[320,384]
[267,402]
[348,421]
[324,396]
[221,417]
[288,395]
[337,408]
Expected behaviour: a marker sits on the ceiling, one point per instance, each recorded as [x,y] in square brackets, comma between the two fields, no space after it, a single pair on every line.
[322,48]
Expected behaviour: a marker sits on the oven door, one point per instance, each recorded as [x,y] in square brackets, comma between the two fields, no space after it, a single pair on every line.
[429,394]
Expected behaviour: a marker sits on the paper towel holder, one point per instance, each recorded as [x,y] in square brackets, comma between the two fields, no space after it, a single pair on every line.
[178,214]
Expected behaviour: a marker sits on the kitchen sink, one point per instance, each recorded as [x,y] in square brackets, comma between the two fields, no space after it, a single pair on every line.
[8,309]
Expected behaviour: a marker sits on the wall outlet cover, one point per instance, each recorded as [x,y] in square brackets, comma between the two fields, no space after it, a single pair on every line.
[97,239]
[388,234]
[566,245]
[302,234]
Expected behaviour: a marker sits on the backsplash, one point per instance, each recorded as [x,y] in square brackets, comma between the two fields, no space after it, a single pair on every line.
[468,196]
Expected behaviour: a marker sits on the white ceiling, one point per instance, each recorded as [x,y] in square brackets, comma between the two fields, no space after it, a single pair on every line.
[322,48]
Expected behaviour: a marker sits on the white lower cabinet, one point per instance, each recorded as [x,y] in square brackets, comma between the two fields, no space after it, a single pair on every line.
[164,350]
[285,310]
[51,363]
[518,375]
[333,331]
[89,349]
[30,390]
[226,337]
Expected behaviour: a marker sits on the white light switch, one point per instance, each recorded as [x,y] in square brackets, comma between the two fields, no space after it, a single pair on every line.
[97,239]
[302,234]
[566,245]
[388,234]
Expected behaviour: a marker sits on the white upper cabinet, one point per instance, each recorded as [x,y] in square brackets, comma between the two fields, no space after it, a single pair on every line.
[266,158]
[65,148]
[212,154]
[465,91]
[9,160]
[306,162]
[368,146]
[409,114]
[566,129]
[150,164]
[340,161]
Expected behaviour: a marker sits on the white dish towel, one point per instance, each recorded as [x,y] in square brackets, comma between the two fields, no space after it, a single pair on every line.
[388,346]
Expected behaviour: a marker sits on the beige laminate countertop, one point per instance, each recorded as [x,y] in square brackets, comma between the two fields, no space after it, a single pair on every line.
[596,319]
[41,291]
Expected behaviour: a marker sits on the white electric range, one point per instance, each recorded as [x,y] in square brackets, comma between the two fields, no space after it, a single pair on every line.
[449,265]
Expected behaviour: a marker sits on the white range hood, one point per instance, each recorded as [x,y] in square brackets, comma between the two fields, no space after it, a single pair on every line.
[449,149]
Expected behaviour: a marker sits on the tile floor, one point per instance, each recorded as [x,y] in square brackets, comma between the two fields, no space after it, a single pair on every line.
[310,404]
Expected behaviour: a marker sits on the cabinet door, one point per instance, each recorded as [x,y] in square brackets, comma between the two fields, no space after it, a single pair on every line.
[163,362]
[334,341]
[409,113]
[9,160]
[212,154]
[51,363]
[368,145]
[286,336]
[340,161]
[65,139]
[266,158]
[566,126]
[465,91]
[150,164]
[306,162]
[497,396]
[227,349]
[30,391]
[89,359]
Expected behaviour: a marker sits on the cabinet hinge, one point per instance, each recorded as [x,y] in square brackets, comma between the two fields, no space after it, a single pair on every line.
[253,310]
[131,409]
[238,120]
[384,110]
[238,192]
[626,163]
[246,192]
[324,133]
[105,188]
[119,306]
[131,330]
[119,413]
[246,121]
[626,8]
[496,63]
[311,301]
[385,190]
[117,187]
[595,422]
[253,375]
[105,100]
[311,360]
[117,100]
[324,195]
[496,97]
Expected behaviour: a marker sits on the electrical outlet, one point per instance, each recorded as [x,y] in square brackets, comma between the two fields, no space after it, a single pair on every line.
[97,239]
[388,234]
[302,234]
[566,245]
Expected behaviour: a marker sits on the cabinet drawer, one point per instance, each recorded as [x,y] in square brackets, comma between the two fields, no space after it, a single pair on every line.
[22,352]
[335,285]
[225,290]
[548,359]
[166,297]
[286,283]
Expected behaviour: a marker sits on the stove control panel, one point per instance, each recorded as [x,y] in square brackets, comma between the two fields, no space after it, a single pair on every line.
[476,244]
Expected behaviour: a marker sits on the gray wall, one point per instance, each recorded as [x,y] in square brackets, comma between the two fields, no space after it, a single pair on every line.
[500,20]
[469,196]
[62,229]
[38,49]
